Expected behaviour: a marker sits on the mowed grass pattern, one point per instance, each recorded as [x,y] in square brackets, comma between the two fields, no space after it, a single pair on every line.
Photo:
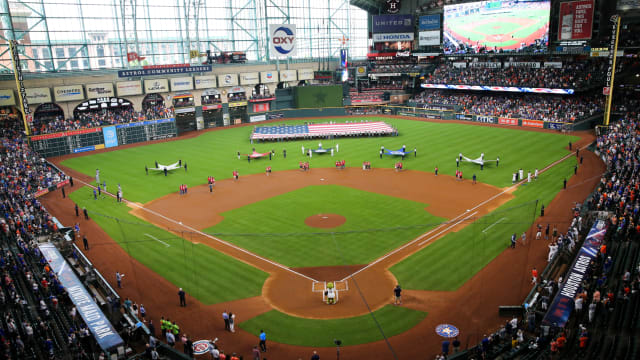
[214,154]
[204,273]
[452,260]
[362,329]
[275,227]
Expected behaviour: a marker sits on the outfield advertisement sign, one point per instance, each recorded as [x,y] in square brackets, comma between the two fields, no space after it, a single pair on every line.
[392,24]
[205,81]
[486,119]
[628,5]
[7,98]
[575,20]
[282,40]
[110,136]
[125,88]
[533,123]
[68,93]
[555,125]
[429,38]
[499,88]
[467,117]
[185,69]
[563,304]
[99,325]
[99,90]
[429,22]
[508,121]
[392,37]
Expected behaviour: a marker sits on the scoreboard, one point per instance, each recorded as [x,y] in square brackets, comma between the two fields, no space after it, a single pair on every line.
[68,142]
[76,141]
[146,131]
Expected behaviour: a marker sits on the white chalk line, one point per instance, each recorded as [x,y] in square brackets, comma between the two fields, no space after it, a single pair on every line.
[208,236]
[156,239]
[473,208]
[448,228]
[495,223]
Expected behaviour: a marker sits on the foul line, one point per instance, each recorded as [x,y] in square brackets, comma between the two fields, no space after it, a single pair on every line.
[448,228]
[156,239]
[490,226]
[208,236]
[468,210]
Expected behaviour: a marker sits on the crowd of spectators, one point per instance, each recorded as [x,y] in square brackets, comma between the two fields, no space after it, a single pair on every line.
[523,106]
[572,75]
[38,320]
[105,117]
[237,96]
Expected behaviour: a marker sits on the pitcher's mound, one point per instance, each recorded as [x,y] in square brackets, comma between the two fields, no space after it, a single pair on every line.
[325,221]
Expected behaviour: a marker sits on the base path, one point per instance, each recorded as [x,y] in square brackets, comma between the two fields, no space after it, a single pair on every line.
[473,308]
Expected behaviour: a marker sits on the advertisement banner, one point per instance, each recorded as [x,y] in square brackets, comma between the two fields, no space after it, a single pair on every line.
[156,86]
[170,70]
[7,98]
[65,133]
[392,24]
[282,40]
[393,37]
[251,78]
[268,77]
[563,303]
[100,90]
[522,64]
[288,75]
[555,125]
[459,65]
[68,93]
[553,64]
[507,121]
[305,74]
[533,123]
[490,65]
[225,80]
[499,88]
[466,117]
[205,81]
[258,118]
[238,104]
[429,38]
[429,22]
[628,5]
[99,325]
[212,107]
[110,136]
[486,119]
[575,20]
[361,71]
[125,88]
[181,83]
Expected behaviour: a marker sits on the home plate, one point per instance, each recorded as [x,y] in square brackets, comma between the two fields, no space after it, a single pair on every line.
[325,217]
[322,179]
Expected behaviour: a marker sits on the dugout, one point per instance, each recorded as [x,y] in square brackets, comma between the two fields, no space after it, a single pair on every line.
[211,101]
[185,112]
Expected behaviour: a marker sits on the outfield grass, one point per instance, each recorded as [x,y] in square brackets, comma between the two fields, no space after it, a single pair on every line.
[214,153]
[204,273]
[362,329]
[452,260]
[279,233]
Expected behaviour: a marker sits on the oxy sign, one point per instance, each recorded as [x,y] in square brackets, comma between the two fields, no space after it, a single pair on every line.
[282,40]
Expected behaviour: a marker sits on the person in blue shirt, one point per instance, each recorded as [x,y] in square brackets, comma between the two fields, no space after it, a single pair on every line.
[263,341]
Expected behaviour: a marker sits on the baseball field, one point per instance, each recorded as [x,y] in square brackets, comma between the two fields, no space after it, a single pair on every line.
[504,28]
[261,244]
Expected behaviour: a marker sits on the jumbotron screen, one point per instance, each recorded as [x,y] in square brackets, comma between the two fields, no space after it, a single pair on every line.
[487,26]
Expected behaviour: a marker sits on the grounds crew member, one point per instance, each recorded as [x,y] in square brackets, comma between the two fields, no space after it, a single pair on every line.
[176,329]
[163,326]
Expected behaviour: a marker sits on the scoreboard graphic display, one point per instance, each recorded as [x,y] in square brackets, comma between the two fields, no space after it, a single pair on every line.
[76,141]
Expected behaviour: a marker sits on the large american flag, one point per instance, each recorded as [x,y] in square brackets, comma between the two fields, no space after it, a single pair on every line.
[320,130]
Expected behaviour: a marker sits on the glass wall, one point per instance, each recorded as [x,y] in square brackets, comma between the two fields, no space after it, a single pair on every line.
[64,35]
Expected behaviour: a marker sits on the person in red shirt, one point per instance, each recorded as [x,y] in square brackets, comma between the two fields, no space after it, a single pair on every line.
[534,276]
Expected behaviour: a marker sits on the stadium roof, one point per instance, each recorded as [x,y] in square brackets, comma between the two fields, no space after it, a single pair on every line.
[371,6]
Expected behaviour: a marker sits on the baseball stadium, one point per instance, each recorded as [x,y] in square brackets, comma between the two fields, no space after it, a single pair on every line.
[265,179]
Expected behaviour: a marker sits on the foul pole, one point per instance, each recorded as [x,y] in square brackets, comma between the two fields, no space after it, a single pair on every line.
[611,71]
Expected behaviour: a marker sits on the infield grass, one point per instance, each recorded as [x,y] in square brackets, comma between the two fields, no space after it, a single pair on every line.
[275,227]
[362,329]
[214,154]
[452,260]
[204,273]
